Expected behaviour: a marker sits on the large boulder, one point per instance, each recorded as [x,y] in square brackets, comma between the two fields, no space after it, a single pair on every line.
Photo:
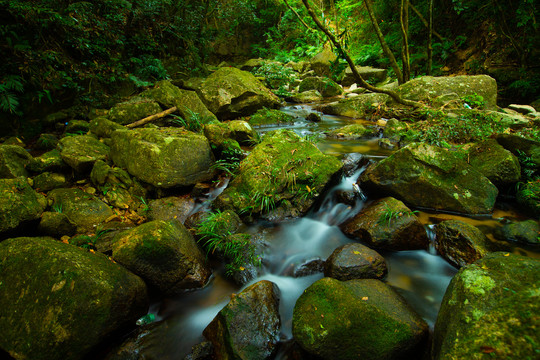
[84,210]
[187,102]
[388,224]
[248,326]
[322,62]
[355,261]
[13,161]
[325,86]
[356,319]
[18,203]
[231,93]
[59,301]
[428,176]
[164,254]
[368,73]
[460,243]
[427,88]
[355,107]
[284,172]
[164,158]
[238,130]
[499,165]
[133,110]
[49,161]
[82,151]
[521,147]
[526,232]
[490,310]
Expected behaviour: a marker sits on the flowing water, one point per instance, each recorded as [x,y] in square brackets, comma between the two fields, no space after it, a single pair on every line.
[420,276]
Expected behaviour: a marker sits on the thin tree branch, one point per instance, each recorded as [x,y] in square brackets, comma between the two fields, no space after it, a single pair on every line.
[425,22]
[152,118]
[298,16]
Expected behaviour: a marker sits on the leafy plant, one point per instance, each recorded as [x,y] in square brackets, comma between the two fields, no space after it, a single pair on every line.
[276,74]
[9,87]
[225,165]
[389,215]
[146,207]
[473,101]
[57,208]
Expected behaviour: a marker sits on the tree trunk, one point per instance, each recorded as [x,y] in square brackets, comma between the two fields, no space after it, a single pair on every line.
[347,57]
[404,22]
[384,45]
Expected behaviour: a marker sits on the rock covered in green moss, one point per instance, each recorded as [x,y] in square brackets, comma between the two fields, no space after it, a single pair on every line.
[460,243]
[83,209]
[13,161]
[426,88]
[355,107]
[388,224]
[368,73]
[132,110]
[59,301]
[325,86]
[248,326]
[82,151]
[428,176]
[232,93]
[266,116]
[352,132]
[308,96]
[499,165]
[18,203]
[164,254]
[49,161]
[170,208]
[48,181]
[187,102]
[355,261]
[490,310]
[356,319]
[522,231]
[284,171]
[56,224]
[238,130]
[103,127]
[321,62]
[164,158]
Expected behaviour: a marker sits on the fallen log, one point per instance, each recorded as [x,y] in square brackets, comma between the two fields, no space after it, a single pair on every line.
[152,118]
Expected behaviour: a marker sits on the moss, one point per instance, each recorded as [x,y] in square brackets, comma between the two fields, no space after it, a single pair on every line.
[18,203]
[353,131]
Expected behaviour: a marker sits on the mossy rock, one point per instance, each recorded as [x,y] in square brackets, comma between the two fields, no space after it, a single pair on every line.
[322,62]
[308,96]
[355,261]
[431,177]
[527,232]
[46,142]
[499,165]
[270,117]
[357,106]
[82,151]
[103,127]
[164,158]
[490,311]
[50,161]
[84,210]
[237,130]
[170,208]
[248,326]
[164,254]
[48,181]
[19,203]
[59,301]
[133,110]
[325,86]
[368,73]
[352,132]
[187,102]
[77,127]
[13,161]
[56,224]
[283,171]
[356,319]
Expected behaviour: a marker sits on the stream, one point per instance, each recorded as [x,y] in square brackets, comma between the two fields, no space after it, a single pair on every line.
[421,277]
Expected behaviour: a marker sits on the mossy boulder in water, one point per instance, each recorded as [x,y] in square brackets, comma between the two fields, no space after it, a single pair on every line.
[285,172]
[59,301]
[83,209]
[490,311]
[355,107]
[325,86]
[82,151]
[356,319]
[232,93]
[308,96]
[13,161]
[427,88]
[164,254]
[352,132]
[248,326]
[355,261]
[18,203]
[527,231]
[165,158]
[270,117]
[499,165]
[388,224]
[187,102]
[428,176]
[133,110]
[237,130]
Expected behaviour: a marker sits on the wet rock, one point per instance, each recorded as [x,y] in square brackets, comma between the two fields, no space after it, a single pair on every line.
[387,144]
[490,310]
[19,203]
[325,86]
[308,96]
[56,224]
[355,319]
[248,326]
[355,261]
[13,161]
[283,172]
[232,93]
[524,231]
[428,176]
[355,107]
[352,162]
[59,301]
[305,268]
[270,117]
[103,127]
[368,73]
[237,130]
[48,181]
[352,132]
[426,88]
[313,117]
[165,157]
[321,62]
[50,161]
[84,210]
[496,163]
[82,151]
[133,110]
[460,243]
[164,254]
[187,102]
[387,224]
[170,208]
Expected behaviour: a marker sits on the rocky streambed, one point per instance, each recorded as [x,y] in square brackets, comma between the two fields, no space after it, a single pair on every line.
[279,234]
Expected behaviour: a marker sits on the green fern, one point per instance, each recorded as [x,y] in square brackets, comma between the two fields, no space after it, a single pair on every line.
[9,101]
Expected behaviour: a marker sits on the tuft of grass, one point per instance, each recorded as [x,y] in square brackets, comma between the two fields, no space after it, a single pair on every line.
[390,215]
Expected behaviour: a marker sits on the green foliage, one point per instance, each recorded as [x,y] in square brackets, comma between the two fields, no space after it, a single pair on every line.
[389,215]
[9,87]
[57,208]
[276,74]
[528,166]
[473,101]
